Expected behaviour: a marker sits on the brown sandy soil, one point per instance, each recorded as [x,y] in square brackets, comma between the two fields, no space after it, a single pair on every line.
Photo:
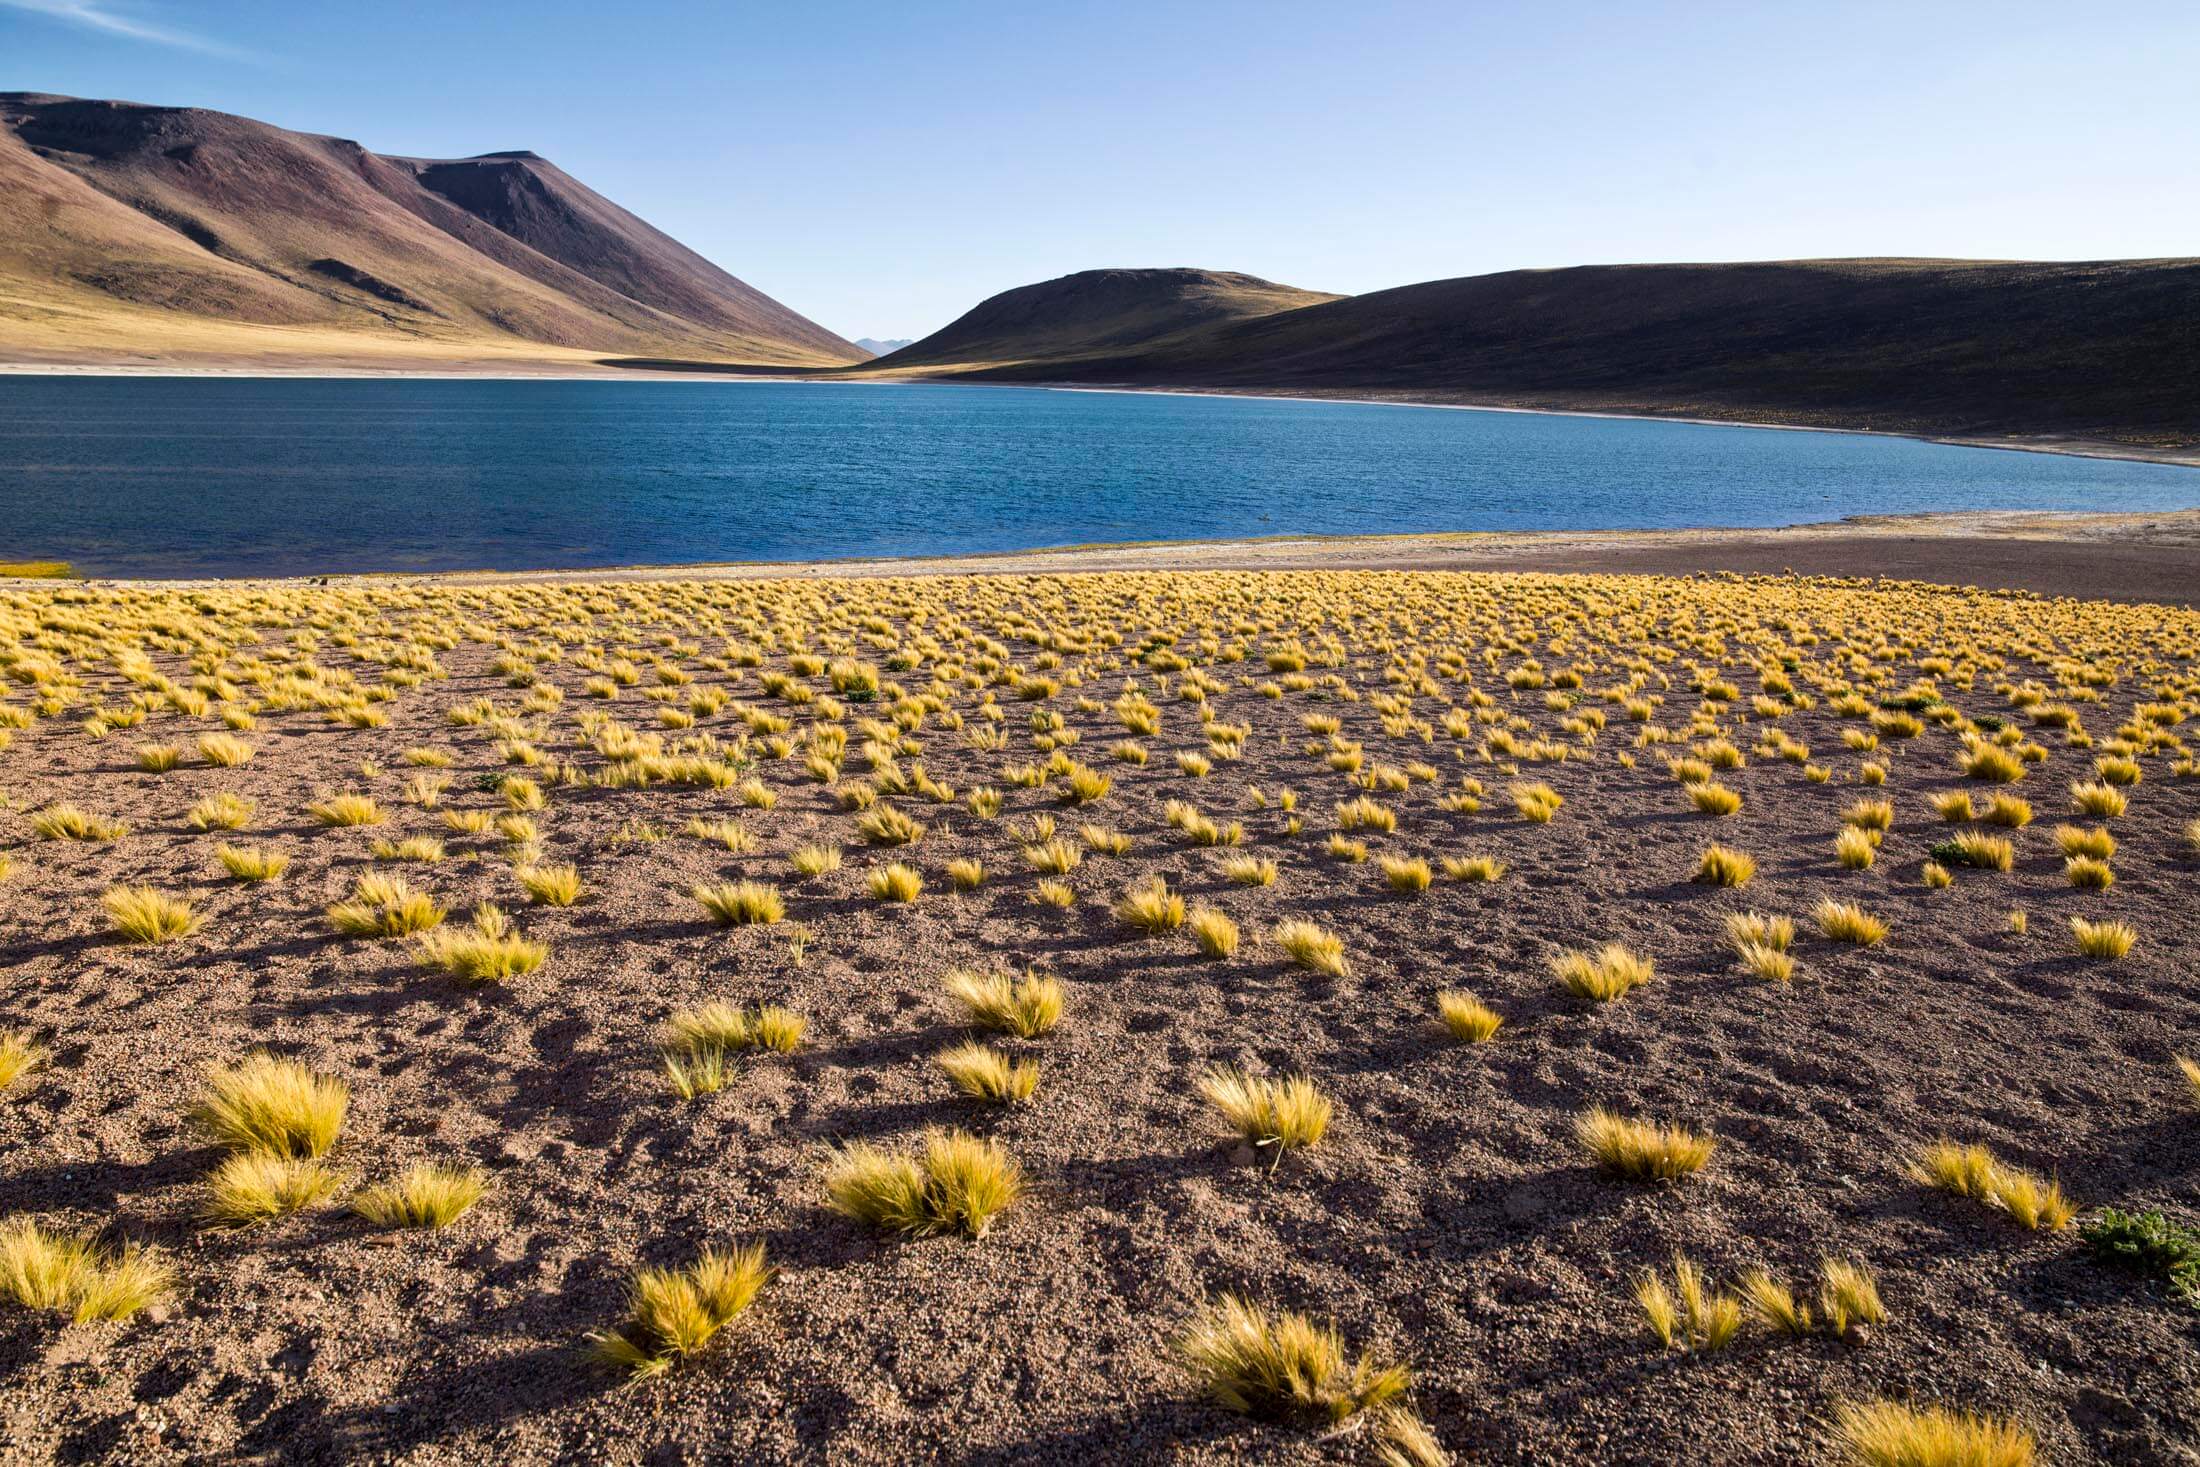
[1448,1219]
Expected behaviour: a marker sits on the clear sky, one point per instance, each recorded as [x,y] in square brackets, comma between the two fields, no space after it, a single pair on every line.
[882,167]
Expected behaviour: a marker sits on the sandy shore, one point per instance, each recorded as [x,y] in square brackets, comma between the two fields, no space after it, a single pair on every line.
[2112,557]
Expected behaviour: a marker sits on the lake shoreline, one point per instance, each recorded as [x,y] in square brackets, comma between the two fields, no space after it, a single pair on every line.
[2069,447]
[2132,557]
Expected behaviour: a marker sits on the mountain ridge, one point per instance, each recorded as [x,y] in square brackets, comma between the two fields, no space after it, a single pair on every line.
[201,231]
[2100,350]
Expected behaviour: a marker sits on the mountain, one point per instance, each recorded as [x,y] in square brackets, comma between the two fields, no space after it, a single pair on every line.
[878,348]
[130,232]
[2105,350]
[1096,314]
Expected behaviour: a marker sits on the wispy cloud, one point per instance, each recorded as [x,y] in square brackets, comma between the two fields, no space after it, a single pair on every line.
[100,15]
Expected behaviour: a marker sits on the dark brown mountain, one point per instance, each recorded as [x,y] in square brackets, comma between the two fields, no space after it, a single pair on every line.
[178,233]
[1098,314]
[2106,350]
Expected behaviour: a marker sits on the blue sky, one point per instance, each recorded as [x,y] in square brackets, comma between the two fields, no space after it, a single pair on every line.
[882,167]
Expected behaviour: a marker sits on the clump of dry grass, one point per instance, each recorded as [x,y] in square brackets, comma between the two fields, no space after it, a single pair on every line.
[1537,802]
[427,1196]
[491,951]
[1703,1318]
[66,822]
[140,914]
[1714,799]
[1953,806]
[225,751]
[2075,840]
[1408,875]
[741,903]
[1312,948]
[273,1106]
[1027,1007]
[1603,975]
[382,905]
[1285,1114]
[1887,1434]
[219,811]
[674,1313]
[550,886]
[1642,1151]
[2088,874]
[1467,1017]
[1973,1171]
[2101,801]
[959,1183]
[346,810]
[1848,922]
[1475,869]
[984,1073]
[72,1273]
[1853,849]
[1848,1297]
[1283,1366]
[2008,811]
[2102,941]
[1725,866]
[252,863]
[424,848]
[1215,934]
[1990,764]
[883,825]
[1977,849]
[20,1053]
[1152,908]
[966,873]
[896,881]
[814,860]
[158,758]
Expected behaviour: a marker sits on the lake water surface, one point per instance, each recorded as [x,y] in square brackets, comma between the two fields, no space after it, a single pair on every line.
[282,476]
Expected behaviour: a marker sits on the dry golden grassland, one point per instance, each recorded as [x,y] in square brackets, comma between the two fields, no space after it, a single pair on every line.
[1290,1016]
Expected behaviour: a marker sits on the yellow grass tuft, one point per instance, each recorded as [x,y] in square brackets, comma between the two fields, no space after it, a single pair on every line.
[1848,922]
[383,905]
[226,751]
[2076,840]
[674,1313]
[345,810]
[1214,932]
[2008,811]
[20,1054]
[1642,1151]
[814,860]
[1283,1366]
[158,758]
[66,822]
[489,952]
[1537,803]
[219,811]
[741,903]
[2102,940]
[141,914]
[258,1186]
[273,1106]
[72,1273]
[966,874]
[1725,866]
[1886,1434]
[1853,848]
[1714,799]
[1152,908]
[427,1196]
[1027,1007]
[1475,869]
[896,881]
[2102,801]
[1312,948]
[984,1073]
[1603,975]
[1702,1320]
[1467,1017]
[1407,875]
[958,1184]
[550,886]
[1285,1114]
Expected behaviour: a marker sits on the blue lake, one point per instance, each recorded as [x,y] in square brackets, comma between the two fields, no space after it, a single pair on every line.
[221,476]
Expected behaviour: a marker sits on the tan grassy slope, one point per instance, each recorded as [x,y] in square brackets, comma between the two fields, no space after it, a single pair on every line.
[2102,349]
[1098,315]
[165,231]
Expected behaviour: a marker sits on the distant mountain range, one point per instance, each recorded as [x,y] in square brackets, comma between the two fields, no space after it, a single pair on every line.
[166,236]
[878,348]
[2106,351]
[178,235]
